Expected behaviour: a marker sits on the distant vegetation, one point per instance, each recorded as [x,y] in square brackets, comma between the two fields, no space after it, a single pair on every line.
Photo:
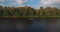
[29,11]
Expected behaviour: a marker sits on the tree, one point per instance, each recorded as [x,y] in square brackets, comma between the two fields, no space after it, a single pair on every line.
[58,13]
[37,12]
[55,11]
[28,11]
[4,11]
[48,11]
[42,12]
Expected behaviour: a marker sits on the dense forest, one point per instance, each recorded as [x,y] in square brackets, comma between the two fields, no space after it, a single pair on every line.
[29,11]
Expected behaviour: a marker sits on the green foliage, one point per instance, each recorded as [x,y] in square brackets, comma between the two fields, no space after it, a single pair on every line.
[29,11]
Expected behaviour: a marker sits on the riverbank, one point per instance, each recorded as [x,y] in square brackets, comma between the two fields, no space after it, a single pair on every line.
[29,16]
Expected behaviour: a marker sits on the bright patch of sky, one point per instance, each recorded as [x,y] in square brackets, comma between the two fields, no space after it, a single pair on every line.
[32,3]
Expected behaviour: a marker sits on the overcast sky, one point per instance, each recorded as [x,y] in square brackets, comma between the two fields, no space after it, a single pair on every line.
[33,3]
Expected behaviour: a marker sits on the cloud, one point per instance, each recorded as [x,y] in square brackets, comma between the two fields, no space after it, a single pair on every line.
[12,2]
[33,3]
[18,1]
[50,2]
[21,1]
[1,1]
[32,0]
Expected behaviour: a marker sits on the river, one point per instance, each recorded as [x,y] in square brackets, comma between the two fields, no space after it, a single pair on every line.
[26,25]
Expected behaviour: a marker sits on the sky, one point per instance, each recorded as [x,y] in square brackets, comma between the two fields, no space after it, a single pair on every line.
[32,3]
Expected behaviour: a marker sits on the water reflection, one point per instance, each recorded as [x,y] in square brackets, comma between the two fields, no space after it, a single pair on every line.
[27,25]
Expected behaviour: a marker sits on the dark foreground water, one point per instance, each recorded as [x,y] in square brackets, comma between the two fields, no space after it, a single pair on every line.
[26,25]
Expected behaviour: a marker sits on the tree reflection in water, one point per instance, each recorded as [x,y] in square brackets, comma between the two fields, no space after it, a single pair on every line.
[28,25]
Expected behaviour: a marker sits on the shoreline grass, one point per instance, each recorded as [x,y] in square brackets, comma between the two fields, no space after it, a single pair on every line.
[29,16]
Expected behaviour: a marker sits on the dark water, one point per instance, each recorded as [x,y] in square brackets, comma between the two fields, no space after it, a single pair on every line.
[26,25]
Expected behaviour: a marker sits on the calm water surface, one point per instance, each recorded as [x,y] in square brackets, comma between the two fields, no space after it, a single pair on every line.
[26,25]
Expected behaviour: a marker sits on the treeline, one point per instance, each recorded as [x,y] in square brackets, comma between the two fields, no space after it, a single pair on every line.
[29,11]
